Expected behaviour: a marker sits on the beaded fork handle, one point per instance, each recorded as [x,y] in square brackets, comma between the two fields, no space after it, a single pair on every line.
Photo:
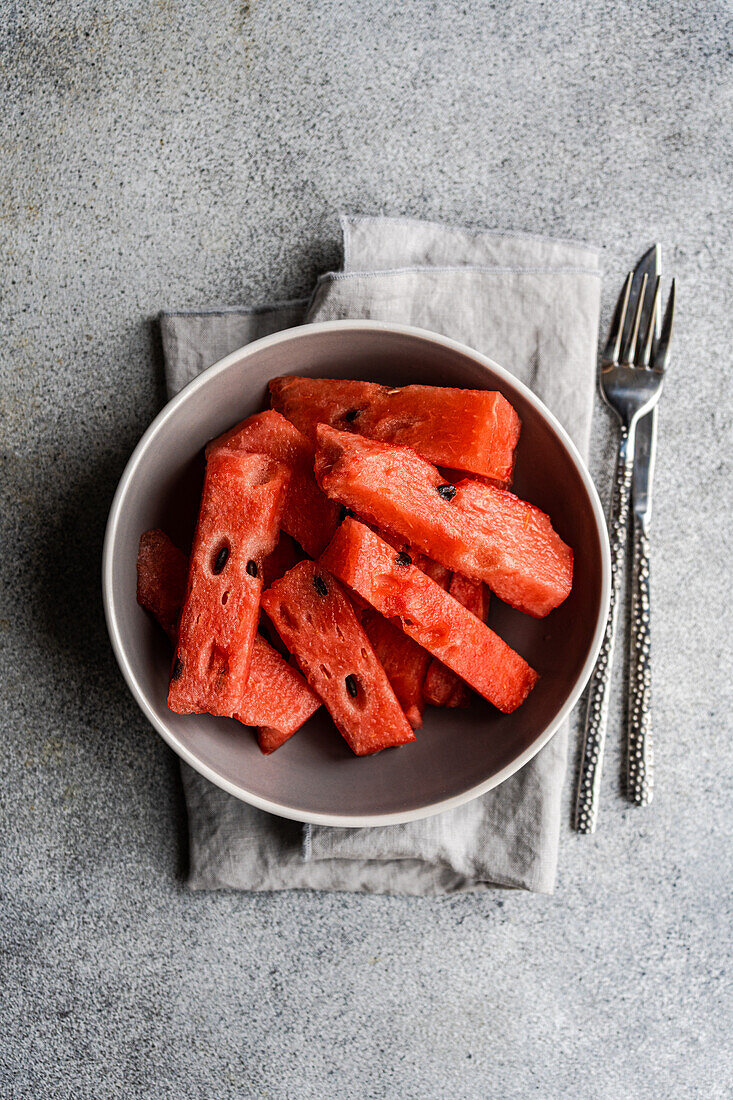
[586,806]
[640,747]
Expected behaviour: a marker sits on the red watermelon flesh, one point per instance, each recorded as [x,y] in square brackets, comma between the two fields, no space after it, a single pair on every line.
[485,533]
[442,687]
[162,572]
[434,569]
[406,596]
[474,430]
[269,738]
[286,554]
[309,516]
[237,528]
[276,697]
[404,661]
[454,476]
[318,624]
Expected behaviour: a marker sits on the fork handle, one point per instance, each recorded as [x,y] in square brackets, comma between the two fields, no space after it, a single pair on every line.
[586,806]
[640,747]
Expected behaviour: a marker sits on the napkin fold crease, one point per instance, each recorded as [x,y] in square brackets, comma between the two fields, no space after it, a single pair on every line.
[531,304]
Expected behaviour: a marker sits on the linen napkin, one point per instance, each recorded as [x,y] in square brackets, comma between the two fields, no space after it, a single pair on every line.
[532,304]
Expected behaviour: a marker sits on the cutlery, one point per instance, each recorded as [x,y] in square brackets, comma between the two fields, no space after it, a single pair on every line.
[639,744]
[631,379]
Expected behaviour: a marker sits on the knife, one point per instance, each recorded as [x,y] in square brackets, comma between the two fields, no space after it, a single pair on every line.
[639,744]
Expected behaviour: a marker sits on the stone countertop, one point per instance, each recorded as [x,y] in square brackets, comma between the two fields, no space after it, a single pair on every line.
[184,154]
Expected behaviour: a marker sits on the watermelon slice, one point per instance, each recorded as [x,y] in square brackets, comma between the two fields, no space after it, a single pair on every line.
[454,476]
[442,687]
[474,430]
[410,599]
[485,533]
[434,569]
[238,524]
[276,696]
[286,554]
[404,661]
[162,571]
[317,622]
[309,516]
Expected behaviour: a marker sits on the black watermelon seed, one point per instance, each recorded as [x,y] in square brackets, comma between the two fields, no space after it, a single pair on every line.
[177,669]
[252,568]
[447,491]
[403,559]
[344,513]
[352,686]
[221,559]
[320,586]
[351,415]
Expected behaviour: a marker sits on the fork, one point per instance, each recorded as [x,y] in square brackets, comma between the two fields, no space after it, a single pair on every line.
[631,380]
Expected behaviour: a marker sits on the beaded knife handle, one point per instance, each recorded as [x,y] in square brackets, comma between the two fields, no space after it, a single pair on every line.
[586,806]
[640,747]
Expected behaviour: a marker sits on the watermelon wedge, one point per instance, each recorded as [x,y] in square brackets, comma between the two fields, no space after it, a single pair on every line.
[442,687]
[317,622]
[485,533]
[473,430]
[309,516]
[162,572]
[238,525]
[276,696]
[411,600]
[286,554]
[404,661]
[434,569]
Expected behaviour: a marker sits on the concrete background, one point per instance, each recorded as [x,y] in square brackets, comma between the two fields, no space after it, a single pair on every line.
[174,154]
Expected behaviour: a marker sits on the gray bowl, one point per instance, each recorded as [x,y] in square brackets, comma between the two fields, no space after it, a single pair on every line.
[459,754]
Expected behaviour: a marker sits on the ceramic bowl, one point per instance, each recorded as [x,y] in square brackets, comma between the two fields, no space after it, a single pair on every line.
[458,754]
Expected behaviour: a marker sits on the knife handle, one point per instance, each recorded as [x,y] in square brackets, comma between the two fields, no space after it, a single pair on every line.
[586,806]
[640,746]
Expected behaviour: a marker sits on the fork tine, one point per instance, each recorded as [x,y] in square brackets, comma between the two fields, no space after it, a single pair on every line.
[650,262]
[644,354]
[631,348]
[616,328]
[661,351]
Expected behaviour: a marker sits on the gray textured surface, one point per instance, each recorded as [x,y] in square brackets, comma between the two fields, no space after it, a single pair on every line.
[172,154]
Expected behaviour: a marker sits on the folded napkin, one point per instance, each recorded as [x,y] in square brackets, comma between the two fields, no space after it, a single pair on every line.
[532,305]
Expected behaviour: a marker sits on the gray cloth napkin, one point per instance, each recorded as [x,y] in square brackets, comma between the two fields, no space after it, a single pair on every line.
[532,305]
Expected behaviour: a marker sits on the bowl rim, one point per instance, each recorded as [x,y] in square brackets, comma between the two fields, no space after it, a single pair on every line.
[110,546]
